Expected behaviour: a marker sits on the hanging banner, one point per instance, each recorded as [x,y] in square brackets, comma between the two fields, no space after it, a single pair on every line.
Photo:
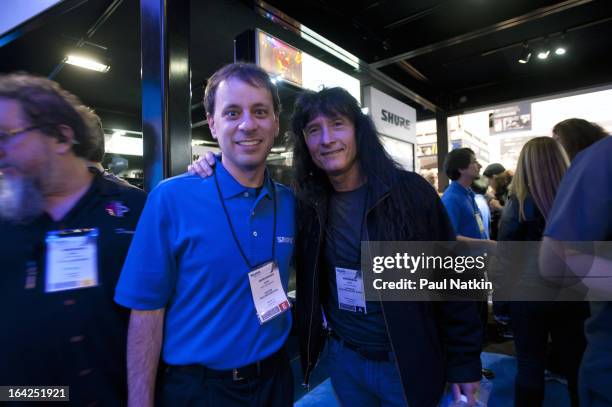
[511,118]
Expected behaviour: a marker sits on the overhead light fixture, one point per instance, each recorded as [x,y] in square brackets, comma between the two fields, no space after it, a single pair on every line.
[525,54]
[561,46]
[543,54]
[544,50]
[87,63]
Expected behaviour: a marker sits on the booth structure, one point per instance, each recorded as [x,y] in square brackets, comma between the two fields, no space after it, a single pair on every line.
[440,60]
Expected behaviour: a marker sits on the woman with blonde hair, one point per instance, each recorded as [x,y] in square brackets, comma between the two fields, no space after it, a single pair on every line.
[541,166]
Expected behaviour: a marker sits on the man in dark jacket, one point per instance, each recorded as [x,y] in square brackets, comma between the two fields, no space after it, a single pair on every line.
[64,233]
[349,190]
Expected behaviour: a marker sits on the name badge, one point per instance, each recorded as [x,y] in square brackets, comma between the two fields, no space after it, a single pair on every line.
[72,259]
[351,295]
[268,292]
[480,222]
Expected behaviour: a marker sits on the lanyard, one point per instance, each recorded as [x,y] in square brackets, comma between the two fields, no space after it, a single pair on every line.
[229,222]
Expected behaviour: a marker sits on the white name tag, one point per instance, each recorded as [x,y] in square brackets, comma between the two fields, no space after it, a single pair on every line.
[72,259]
[351,296]
[268,292]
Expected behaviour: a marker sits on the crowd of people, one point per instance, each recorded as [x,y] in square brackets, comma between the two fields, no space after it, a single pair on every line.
[180,298]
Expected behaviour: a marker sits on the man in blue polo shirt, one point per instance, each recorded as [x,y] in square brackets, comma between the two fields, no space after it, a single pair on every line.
[222,293]
[462,168]
[582,211]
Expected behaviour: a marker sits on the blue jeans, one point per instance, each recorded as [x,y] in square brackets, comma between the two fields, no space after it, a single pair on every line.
[361,382]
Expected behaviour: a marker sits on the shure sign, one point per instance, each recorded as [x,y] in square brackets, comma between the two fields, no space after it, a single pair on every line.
[394,119]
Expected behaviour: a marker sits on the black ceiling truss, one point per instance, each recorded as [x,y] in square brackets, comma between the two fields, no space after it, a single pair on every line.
[504,25]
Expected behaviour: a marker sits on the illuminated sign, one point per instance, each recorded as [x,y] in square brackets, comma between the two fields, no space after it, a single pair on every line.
[391,117]
[279,59]
[282,61]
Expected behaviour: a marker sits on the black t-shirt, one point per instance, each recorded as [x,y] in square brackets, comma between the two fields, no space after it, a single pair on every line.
[76,337]
[345,230]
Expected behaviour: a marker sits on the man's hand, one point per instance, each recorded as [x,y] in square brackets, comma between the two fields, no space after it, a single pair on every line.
[468,389]
[203,166]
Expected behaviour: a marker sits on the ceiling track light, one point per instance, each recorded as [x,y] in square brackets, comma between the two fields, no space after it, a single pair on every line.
[543,54]
[561,45]
[544,50]
[525,54]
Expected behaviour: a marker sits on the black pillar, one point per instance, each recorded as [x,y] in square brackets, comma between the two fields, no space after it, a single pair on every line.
[442,131]
[166,88]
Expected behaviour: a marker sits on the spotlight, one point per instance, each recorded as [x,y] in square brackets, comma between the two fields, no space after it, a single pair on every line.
[525,54]
[561,46]
[544,50]
[543,54]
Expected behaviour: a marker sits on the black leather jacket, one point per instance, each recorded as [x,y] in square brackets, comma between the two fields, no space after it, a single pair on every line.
[433,342]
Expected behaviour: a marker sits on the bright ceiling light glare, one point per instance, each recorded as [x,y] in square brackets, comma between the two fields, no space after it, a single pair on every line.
[561,45]
[525,54]
[87,63]
[544,50]
[543,54]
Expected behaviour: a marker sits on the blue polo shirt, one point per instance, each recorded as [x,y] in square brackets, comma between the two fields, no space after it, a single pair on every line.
[183,258]
[582,211]
[462,211]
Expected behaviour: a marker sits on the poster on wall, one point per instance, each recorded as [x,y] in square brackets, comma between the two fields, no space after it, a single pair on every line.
[512,118]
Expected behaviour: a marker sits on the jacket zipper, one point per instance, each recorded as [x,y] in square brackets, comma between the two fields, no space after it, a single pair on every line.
[314,274]
[381,305]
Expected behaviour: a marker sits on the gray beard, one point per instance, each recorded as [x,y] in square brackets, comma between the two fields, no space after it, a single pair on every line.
[21,199]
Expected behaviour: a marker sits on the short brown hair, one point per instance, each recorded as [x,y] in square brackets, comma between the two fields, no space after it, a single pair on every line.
[246,72]
[46,105]
[577,134]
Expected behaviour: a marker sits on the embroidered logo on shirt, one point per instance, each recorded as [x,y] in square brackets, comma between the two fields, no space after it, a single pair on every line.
[116,208]
[283,239]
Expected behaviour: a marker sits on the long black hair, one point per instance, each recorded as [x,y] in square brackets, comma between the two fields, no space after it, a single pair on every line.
[374,161]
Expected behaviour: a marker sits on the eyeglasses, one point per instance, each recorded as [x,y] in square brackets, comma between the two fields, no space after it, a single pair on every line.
[6,136]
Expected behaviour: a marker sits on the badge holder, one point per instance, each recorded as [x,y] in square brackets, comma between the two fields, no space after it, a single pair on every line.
[351,294]
[268,293]
[72,259]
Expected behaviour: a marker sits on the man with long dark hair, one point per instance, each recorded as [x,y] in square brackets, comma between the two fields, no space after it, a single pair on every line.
[349,190]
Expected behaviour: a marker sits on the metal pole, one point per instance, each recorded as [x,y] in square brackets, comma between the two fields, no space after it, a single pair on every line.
[442,131]
[166,88]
